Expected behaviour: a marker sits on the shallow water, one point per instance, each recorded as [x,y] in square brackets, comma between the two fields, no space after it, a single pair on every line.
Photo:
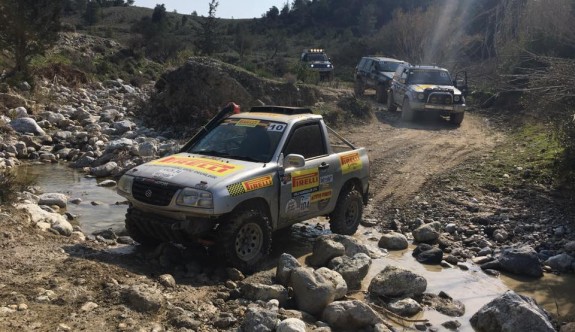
[58,178]
[473,287]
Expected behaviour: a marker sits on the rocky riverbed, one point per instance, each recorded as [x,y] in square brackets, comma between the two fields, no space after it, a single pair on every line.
[56,277]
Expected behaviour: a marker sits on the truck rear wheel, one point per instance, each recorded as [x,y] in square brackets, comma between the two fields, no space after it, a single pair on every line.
[380,94]
[347,214]
[245,239]
[136,234]
[390,103]
[406,111]
[358,88]
[456,118]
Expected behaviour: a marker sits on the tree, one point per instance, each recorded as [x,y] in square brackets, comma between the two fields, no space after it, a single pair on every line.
[28,28]
[207,42]
[93,13]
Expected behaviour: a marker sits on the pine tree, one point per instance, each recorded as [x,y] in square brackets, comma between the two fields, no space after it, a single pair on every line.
[28,28]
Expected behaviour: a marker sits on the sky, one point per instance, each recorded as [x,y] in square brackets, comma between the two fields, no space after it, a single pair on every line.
[225,9]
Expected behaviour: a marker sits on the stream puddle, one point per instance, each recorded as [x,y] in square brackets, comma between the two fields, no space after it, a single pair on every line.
[556,293]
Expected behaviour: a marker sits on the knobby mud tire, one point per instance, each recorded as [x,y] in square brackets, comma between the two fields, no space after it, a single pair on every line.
[347,215]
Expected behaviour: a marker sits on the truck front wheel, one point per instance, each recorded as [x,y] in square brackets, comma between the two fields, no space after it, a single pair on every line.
[406,111]
[381,94]
[358,88]
[136,234]
[347,214]
[390,103]
[456,118]
[245,239]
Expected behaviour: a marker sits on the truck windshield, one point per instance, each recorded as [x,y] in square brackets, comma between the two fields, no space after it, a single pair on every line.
[437,77]
[388,66]
[243,139]
[315,57]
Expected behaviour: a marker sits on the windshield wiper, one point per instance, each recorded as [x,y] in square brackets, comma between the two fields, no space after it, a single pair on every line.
[213,153]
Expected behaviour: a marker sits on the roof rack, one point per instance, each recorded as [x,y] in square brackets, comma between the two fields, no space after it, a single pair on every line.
[287,110]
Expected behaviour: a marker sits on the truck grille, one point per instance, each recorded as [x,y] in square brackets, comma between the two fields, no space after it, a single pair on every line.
[440,99]
[153,192]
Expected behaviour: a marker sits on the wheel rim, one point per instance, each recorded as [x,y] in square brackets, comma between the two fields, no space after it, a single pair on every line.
[351,214]
[249,241]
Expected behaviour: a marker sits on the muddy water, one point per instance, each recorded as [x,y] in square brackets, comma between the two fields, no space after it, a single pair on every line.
[103,214]
[472,287]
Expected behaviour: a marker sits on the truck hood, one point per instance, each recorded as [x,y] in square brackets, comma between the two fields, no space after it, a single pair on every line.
[423,87]
[198,171]
[387,74]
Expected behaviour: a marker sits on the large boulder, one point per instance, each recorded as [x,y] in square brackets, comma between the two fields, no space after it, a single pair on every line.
[393,241]
[352,269]
[324,250]
[426,233]
[58,199]
[262,292]
[350,316]
[518,260]
[192,93]
[312,291]
[512,312]
[397,282]
[286,264]
[27,125]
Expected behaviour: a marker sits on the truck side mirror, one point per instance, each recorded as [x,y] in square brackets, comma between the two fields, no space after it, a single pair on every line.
[294,160]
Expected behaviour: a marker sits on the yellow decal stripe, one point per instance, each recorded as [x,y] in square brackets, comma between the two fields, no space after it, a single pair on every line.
[302,180]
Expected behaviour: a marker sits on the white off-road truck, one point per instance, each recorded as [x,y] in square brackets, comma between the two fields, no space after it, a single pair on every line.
[244,176]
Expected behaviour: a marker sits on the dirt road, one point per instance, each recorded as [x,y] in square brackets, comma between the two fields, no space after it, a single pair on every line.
[404,156]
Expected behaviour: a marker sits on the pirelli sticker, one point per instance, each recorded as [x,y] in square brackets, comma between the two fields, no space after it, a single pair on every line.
[248,123]
[350,162]
[203,165]
[237,189]
[305,181]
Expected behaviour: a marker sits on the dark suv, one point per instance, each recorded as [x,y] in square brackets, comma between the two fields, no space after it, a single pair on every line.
[375,72]
[317,60]
[427,89]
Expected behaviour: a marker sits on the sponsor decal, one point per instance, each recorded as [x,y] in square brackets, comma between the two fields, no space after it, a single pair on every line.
[304,180]
[320,196]
[167,173]
[304,202]
[237,189]
[350,162]
[291,206]
[247,123]
[326,179]
[204,165]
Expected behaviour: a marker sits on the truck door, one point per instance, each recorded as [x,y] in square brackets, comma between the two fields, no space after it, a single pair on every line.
[307,190]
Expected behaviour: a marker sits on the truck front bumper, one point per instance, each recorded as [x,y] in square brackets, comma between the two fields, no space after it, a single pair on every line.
[445,109]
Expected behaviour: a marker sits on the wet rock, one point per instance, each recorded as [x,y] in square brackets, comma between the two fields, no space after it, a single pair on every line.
[352,245]
[324,250]
[145,299]
[397,282]
[512,312]
[350,315]
[352,269]
[235,274]
[339,284]
[286,264]
[444,304]
[393,241]
[291,325]
[426,233]
[27,125]
[404,307]
[427,254]
[107,183]
[122,143]
[561,262]
[107,169]
[451,325]
[50,199]
[261,292]
[147,149]
[84,161]
[312,291]
[521,260]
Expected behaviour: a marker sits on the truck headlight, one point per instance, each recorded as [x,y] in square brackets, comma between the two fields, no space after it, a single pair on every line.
[311,66]
[125,184]
[196,198]
[420,96]
[456,98]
